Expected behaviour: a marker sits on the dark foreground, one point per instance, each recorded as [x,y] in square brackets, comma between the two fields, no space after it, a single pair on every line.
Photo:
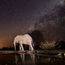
[32,58]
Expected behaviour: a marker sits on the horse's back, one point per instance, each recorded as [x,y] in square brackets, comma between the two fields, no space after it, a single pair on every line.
[18,37]
[25,38]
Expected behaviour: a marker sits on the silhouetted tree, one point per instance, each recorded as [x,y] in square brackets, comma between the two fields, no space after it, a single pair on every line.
[37,37]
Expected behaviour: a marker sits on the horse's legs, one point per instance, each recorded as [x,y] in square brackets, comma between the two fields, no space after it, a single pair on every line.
[31,47]
[14,45]
[21,46]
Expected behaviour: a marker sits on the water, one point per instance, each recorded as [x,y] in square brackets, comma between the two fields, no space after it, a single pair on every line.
[30,59]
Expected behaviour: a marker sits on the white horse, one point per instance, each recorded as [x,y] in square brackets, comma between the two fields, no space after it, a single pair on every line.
[23,39]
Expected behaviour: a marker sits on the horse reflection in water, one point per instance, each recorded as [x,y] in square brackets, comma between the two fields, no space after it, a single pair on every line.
[24,59]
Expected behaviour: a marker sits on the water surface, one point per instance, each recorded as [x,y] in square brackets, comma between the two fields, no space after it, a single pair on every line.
[31,59]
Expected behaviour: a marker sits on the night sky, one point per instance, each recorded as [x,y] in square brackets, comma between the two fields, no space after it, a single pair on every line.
[19,16]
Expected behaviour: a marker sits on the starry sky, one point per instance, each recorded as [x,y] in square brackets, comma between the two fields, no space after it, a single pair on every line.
[19,16]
